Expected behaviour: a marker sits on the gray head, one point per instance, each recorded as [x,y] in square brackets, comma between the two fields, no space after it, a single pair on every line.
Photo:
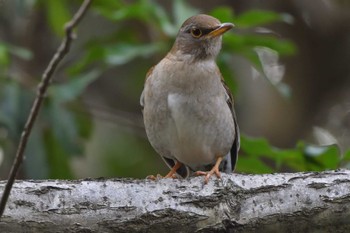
[200,37]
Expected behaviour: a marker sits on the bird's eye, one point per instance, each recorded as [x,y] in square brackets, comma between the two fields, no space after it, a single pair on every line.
[196,32]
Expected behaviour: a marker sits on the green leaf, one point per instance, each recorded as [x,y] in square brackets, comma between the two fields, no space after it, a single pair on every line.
[7,49]
[254,58]
[81,118]
[247,46]
[94,53]
[58,160]
[6,121]
[14,107]
[83,121]
[252,165]
[227,72]
[121,53]
[36,163]
[68,133]
[64,129]
[325,157]
[144,10]
[58,15]
[345,161]
[283,47]
[255,18]
[291,158]
[140,10]
[163,20]
[4,56]
[182,11]
[347,156]
[107,8]
[238,43]
[224,14]
[20,52]
[301,158]
[106,5]
[256,147]
[74,88]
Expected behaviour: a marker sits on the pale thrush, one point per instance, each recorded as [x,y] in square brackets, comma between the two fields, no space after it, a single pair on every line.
[187,108]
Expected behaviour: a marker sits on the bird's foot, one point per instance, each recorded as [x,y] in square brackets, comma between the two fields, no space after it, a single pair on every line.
[171,174]
[209,174]
[153,177]
[214,170]
[158,177]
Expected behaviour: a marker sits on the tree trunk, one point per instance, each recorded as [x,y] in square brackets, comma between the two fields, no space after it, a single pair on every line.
[291,202]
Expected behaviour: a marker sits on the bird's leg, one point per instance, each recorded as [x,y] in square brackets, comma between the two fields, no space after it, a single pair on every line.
[215,170]
[171,174]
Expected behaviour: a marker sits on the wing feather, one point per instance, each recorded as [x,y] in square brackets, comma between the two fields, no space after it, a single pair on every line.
[142,100]
[236,143]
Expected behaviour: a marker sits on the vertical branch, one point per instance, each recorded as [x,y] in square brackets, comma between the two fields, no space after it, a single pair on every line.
[42,88]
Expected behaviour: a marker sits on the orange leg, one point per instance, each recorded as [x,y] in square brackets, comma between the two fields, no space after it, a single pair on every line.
[215,170]
[171,174]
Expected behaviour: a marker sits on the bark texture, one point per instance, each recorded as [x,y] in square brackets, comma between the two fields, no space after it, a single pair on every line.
[291,202]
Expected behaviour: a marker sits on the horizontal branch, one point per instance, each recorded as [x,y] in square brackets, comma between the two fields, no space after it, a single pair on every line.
[291,202]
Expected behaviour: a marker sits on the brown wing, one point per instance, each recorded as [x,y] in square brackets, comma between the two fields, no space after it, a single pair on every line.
[236,144]
[142,101]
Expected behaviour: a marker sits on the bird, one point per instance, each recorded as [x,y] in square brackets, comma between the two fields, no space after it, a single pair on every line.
[187,108]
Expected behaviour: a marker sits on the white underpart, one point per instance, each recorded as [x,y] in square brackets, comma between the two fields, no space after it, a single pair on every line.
[188,134]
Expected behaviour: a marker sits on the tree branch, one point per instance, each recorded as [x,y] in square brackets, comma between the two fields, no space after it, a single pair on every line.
[298,202]
[42,87]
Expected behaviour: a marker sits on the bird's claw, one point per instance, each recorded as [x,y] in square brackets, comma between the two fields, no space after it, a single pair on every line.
[209,174]
[158,177]
[153,177]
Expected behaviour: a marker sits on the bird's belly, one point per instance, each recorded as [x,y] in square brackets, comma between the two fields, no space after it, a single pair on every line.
[199,131]
[190,142]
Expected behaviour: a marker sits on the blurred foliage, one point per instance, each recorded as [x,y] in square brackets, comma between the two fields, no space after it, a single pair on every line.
[61,133]
[304,157]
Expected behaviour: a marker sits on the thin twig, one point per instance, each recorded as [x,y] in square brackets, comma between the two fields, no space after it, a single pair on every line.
[42,87]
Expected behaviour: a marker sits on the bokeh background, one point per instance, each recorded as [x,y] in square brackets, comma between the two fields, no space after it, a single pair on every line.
[286,62]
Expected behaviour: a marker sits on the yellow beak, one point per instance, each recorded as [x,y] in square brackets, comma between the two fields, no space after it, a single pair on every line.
[221,30]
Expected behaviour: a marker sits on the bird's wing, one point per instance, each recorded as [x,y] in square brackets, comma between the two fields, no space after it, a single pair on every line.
[236,143]
[142,101]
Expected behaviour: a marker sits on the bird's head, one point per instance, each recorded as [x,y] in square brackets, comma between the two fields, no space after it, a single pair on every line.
[199,38]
